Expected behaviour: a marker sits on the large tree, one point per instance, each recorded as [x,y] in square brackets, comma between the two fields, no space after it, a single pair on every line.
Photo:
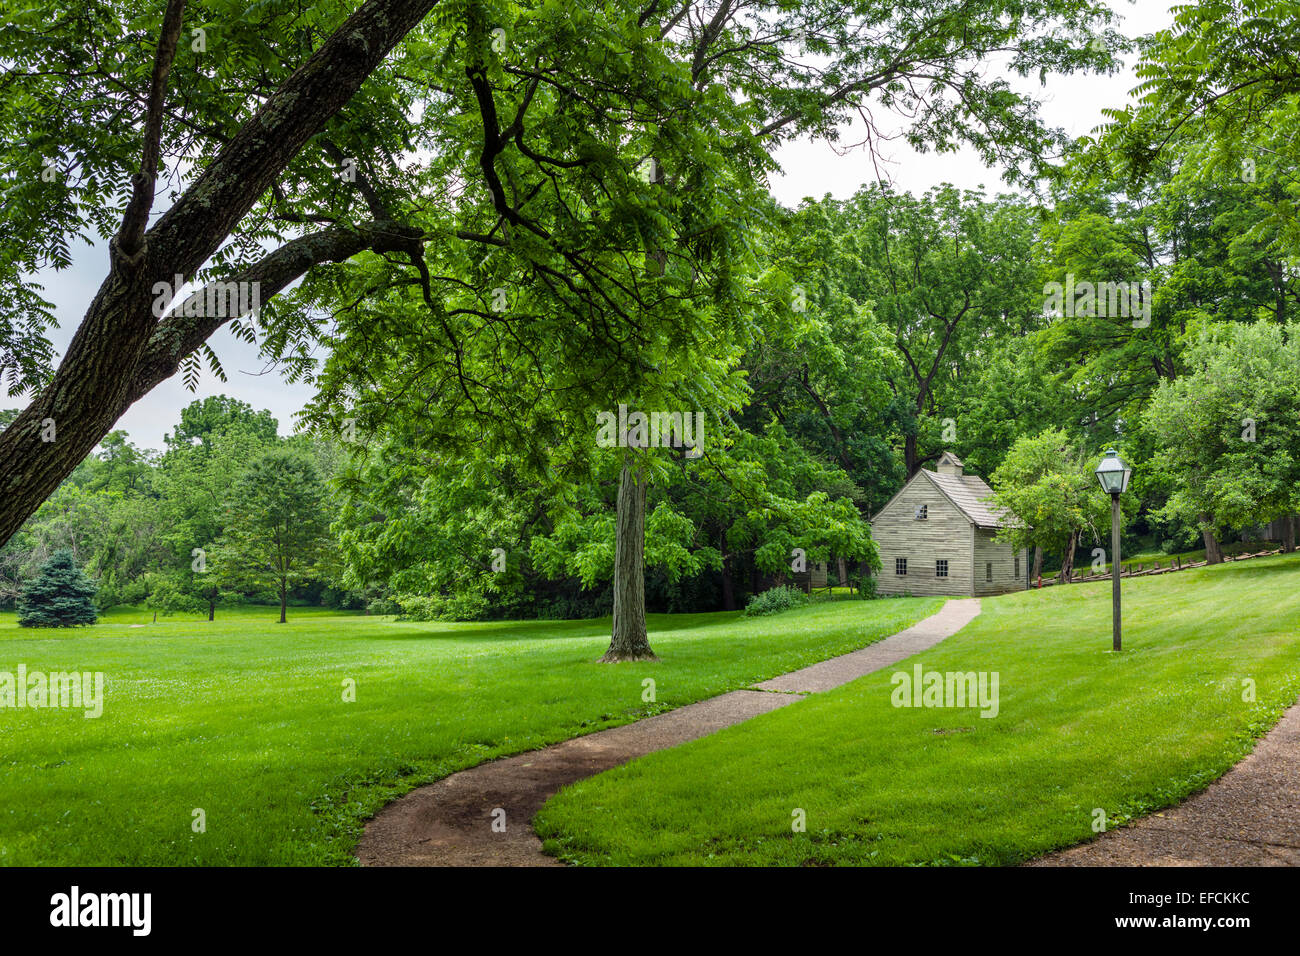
[276,525]
[208,451]
[536,336]
[1046,483]
[1227,435]
[499,136]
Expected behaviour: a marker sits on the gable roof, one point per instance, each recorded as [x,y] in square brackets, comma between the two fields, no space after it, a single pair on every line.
[968,495]
[971,496]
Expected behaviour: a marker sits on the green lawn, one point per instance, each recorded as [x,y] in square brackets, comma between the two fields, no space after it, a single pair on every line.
[1079,728]
[244,718]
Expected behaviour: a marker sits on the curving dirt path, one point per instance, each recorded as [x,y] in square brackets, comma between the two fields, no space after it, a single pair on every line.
[450,822]
[1248,817]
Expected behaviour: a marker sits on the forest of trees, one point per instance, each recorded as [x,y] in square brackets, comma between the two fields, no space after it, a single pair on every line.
[504,230]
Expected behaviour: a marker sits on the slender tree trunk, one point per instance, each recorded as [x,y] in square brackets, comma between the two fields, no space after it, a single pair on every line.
[844,572]
[1038,563]
[284,600]
[909,456]
[629,641]
[1213,553]
[212,609]
[1288,534]
[728,587]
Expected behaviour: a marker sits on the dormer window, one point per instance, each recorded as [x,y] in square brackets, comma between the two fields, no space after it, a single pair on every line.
[922,512]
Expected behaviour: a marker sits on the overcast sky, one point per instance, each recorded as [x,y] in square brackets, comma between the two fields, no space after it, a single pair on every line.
[809,169]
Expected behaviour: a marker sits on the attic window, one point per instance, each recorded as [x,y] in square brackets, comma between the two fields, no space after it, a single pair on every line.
[922,512]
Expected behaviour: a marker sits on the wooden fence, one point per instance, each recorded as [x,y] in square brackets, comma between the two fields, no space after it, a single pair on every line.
[1127,571]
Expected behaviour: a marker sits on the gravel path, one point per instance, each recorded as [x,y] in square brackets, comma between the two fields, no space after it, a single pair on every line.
[450,822]
[1248,817]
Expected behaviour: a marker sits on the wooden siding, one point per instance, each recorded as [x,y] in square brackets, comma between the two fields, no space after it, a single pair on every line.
[1004,566]
[945,534]
[814,577]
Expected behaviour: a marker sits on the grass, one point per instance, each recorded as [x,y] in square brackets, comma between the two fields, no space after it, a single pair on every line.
[244,718]
[1078,728]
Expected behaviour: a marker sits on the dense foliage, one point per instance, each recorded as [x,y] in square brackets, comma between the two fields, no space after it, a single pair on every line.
[531,217]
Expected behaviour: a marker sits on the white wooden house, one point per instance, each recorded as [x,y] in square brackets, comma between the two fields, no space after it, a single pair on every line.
[935,536]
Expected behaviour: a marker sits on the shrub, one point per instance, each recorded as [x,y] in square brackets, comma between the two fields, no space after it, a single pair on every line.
[775,600]
[470,606]
[60,596]
[418,607]
[384,605]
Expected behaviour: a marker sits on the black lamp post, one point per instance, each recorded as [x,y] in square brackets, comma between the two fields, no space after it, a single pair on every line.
[1114,474]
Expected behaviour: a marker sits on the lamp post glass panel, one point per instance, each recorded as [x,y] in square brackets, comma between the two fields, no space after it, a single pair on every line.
[1114,474]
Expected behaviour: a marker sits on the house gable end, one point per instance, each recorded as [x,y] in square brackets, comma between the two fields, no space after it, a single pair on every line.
[939,490]
[935,493]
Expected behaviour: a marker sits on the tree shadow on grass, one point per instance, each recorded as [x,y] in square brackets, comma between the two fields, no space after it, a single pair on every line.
[475,632]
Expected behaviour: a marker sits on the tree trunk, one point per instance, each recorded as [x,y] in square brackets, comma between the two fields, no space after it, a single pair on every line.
[1288,534]
[844,572]
[212,609]
[909,456]
[1067,562]
[728,586]
[1038,563]
[1213,553]
[284,599]
[629,641]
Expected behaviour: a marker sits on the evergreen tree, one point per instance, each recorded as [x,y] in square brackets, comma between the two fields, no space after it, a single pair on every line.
[60,596]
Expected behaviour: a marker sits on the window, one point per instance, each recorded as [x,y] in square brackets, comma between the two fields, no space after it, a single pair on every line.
[988,570]
[1017,567]
[900,565]
[941,568]
[922,512]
